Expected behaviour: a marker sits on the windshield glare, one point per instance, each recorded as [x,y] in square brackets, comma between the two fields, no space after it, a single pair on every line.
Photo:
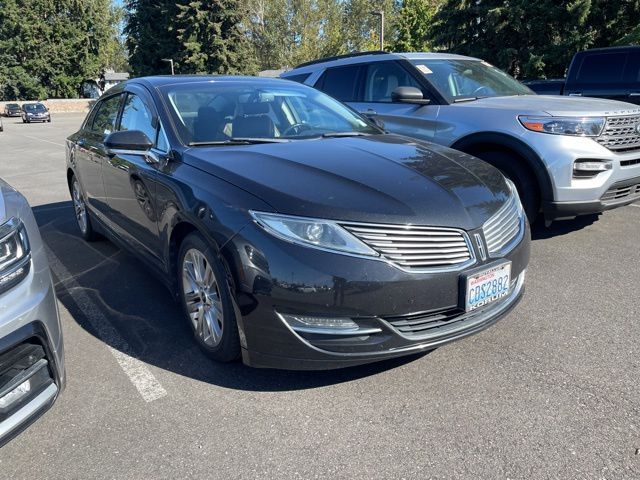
[35,107]
[461,79]
[218,111]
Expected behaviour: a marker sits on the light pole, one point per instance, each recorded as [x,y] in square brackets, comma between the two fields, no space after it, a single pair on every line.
[170,60]
[380,13]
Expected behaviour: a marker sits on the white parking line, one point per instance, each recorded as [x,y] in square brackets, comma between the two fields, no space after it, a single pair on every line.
[43,140]
[141,377]
[634,205]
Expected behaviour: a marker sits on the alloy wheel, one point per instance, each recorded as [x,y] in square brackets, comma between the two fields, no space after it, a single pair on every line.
[80,207]
[202,297]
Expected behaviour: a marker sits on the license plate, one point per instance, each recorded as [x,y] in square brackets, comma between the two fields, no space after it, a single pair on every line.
[487,286]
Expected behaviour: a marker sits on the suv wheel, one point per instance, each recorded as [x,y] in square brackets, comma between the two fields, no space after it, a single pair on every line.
[512,167]
[81,212]
[206,299]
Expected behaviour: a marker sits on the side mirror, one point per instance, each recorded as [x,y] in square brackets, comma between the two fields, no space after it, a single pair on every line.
[131,141]
[409,95]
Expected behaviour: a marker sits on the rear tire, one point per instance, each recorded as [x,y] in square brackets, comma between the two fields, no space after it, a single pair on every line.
[206,299]
[81,212]
[519,173]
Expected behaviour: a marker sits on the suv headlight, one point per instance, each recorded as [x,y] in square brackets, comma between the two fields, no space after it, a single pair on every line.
[15,257]
[576,126]
[310,232]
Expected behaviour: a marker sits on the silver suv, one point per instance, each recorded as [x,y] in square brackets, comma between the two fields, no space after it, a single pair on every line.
[31,349]
[567,156]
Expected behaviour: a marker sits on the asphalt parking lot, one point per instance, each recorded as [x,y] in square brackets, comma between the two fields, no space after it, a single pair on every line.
[551,391]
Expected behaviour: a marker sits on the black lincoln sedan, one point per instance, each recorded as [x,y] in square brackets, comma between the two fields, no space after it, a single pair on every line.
[295,233]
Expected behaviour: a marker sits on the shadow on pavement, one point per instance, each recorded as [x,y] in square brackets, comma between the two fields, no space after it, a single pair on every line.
[562,227]
[142,311]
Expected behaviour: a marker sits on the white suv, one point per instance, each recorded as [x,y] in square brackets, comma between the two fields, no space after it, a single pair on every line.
[567,156]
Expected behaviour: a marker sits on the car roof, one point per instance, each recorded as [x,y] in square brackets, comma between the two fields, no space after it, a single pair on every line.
[370,57]
[624,48]
[164,80]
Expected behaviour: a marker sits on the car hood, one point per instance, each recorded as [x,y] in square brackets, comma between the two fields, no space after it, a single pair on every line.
[378,178]
[555,105]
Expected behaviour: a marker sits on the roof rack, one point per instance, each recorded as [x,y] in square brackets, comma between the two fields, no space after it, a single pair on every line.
[339,57]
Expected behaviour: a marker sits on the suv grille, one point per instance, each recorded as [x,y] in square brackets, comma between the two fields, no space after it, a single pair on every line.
[620,134]
[506,225]
[416,248]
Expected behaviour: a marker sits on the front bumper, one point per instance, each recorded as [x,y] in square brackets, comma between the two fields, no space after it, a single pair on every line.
[374,294]
[29,317]
[578,196]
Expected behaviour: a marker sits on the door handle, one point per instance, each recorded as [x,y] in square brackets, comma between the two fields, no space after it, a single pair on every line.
[575,94]
[369,111]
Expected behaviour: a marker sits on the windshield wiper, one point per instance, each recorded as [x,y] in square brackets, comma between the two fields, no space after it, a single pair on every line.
[468,99]
[239,141]
[344,134]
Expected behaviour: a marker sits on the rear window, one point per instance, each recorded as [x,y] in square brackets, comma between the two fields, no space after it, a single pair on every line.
[602,68]
[341,83]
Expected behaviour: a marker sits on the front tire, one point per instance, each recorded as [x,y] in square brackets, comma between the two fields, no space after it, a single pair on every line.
[81,212]
[520,174]
[206,299]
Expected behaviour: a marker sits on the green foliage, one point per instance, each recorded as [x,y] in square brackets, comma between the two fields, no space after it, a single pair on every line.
[49,47]
[533,39]
[201,36]
[413,24]
[211,38]
[288,32]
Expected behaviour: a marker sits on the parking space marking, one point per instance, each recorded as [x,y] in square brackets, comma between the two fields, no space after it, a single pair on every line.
[43,140]
[141,377]
[634,205]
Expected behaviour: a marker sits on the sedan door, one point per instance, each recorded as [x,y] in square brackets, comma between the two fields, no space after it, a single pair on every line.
[89,154]
[130,180]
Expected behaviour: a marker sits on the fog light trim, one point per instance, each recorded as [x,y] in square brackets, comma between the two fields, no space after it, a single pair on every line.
[325,325]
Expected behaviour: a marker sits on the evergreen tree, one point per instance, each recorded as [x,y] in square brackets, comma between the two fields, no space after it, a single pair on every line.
[212,39]
[413,24]
[49,47]
[528,39]
[150,35]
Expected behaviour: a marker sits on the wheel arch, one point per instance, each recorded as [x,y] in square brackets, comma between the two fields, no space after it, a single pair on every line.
[487,141]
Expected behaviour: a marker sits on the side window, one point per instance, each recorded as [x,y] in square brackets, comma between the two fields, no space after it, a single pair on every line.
[162,143]
[300,78]
[136,116]
[104,121]
[602,68]
[341,83]
[383,78]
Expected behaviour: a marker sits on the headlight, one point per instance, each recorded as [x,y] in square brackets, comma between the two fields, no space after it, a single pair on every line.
[14,253]
[310,232]
[581,127]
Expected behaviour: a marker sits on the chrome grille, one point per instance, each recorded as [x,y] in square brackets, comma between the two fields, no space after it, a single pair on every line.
[416,248]
[621,134]
[505,226]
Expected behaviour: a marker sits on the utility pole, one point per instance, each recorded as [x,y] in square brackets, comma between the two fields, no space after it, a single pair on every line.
[380,13]
[170,60]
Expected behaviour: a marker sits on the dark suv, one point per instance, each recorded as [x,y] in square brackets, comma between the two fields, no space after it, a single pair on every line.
[12,110]
[35,112]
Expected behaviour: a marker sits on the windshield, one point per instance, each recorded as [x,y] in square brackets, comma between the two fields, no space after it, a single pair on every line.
[219,111]
[459,80]
[35,107]
[13,105]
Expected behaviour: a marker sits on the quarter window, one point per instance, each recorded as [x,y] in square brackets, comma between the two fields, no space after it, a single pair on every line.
[104,121]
